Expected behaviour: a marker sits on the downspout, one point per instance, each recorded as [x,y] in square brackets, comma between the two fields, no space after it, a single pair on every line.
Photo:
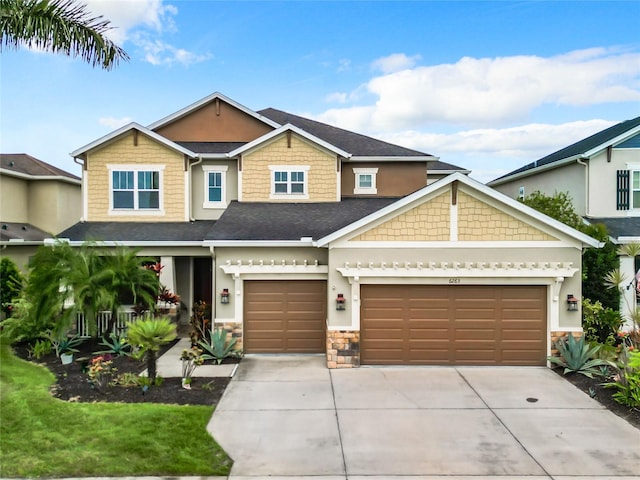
[579,161]
[83,192]
[189,189]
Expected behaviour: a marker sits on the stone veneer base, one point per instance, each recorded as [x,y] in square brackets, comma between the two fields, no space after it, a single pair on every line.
[343,348]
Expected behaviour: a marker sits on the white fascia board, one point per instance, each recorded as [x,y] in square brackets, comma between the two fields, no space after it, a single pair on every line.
[626,240]
[484,189]
[125,129]
[213,156]
[125,243]
[18,241]
[26,176]
[200,103]
[279,131]
[383,158]
[536,170]
[259,243]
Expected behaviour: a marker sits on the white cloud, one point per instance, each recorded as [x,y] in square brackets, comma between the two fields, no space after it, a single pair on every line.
[143,23]
[114,123]
[336,97]
[344,64]
[492,91]
[395,62]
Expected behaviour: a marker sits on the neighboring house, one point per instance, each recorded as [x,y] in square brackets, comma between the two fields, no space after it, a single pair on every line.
[37,200]
[602,175]
[307,238]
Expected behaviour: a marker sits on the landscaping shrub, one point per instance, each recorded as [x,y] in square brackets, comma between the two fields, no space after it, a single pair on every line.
[600,324]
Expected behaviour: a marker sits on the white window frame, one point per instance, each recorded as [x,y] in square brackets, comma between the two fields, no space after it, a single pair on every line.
[289,169]
[360,172]
[136,210]
[222,170]
[634,170]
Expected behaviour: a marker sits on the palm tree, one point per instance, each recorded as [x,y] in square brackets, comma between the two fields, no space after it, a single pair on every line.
[150,335]
[130,279]
[63,26]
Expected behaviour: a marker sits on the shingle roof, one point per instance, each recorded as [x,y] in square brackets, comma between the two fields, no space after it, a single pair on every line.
[619,226]
[28,165]
[291,221]
[138,231]
[211,147]
[354,143]
[21,231]
[579,148]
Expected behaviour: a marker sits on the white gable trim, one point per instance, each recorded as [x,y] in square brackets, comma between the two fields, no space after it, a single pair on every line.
[473,184]
[202,102]
[126,129]
[279,131]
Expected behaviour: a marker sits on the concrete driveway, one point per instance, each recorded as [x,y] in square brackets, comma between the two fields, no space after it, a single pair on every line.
[290,416]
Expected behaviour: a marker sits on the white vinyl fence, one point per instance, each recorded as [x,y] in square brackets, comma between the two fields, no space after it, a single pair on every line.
[104,318]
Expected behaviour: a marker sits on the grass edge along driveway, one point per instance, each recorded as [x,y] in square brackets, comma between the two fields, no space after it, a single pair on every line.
[41,436]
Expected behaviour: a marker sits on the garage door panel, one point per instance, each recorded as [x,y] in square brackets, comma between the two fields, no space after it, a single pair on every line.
[459,325]
[284,316]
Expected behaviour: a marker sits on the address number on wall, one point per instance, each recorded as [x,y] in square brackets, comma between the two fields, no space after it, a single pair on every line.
[454,280]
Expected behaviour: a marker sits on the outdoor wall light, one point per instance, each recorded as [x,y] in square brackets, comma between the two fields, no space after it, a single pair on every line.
[224,295]
[572,303]
[341,302]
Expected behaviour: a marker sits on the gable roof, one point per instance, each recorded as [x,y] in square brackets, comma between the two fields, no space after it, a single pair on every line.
[583,149]
[131,232]
[201,103]
[441,184]
[12,231]
[126,129]
[23,165]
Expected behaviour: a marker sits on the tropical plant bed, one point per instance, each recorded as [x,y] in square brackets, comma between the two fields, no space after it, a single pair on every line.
[73,383]
[594,387]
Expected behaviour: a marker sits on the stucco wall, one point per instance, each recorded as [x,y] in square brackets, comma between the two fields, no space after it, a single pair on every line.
[570,178]
[322,176]
[14,199]
[603,181]
[124,152]
[54,205]
[199,212]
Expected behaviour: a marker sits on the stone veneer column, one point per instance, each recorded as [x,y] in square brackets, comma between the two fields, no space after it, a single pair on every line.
[343,348]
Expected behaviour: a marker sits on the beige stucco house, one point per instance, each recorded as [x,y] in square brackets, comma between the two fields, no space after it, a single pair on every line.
[601,173]
[307,238]
[37,200]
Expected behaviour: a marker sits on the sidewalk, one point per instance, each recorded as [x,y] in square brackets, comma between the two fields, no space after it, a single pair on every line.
[170,365]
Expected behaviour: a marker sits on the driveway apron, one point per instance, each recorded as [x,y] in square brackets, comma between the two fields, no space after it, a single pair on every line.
[290,416]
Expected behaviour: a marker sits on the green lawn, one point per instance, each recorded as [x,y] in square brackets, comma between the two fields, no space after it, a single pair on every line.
[41,436]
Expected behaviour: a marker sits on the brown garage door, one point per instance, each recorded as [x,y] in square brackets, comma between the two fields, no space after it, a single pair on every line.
[453,325]
[285,316]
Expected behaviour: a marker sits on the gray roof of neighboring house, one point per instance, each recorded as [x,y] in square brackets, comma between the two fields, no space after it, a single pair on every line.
[138,231]
[28,165]
[291,221]
[619,226]
[580,147]
[21,231]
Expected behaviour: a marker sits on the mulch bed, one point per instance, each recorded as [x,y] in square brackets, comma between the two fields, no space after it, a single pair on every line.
[595,389]
[73,384]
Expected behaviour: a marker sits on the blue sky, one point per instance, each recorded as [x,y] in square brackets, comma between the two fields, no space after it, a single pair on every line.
[488,86]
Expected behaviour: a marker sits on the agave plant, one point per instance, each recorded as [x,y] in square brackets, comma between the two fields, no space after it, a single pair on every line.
[217,347]
[577,356]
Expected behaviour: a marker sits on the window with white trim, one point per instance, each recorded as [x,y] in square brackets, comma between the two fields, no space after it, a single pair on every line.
[635,189]
[289,181]
[365,182]
[135,188]
[628,189]
[215,186]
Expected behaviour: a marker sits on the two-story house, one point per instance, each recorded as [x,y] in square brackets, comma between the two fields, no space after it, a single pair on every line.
[307,238]
[602,175]
[37,200]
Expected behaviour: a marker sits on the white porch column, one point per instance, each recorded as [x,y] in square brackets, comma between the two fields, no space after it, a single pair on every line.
[628,297]
[168,273]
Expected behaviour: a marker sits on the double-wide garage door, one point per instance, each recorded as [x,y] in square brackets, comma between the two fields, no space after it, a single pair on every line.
[453,325]
[285,316]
